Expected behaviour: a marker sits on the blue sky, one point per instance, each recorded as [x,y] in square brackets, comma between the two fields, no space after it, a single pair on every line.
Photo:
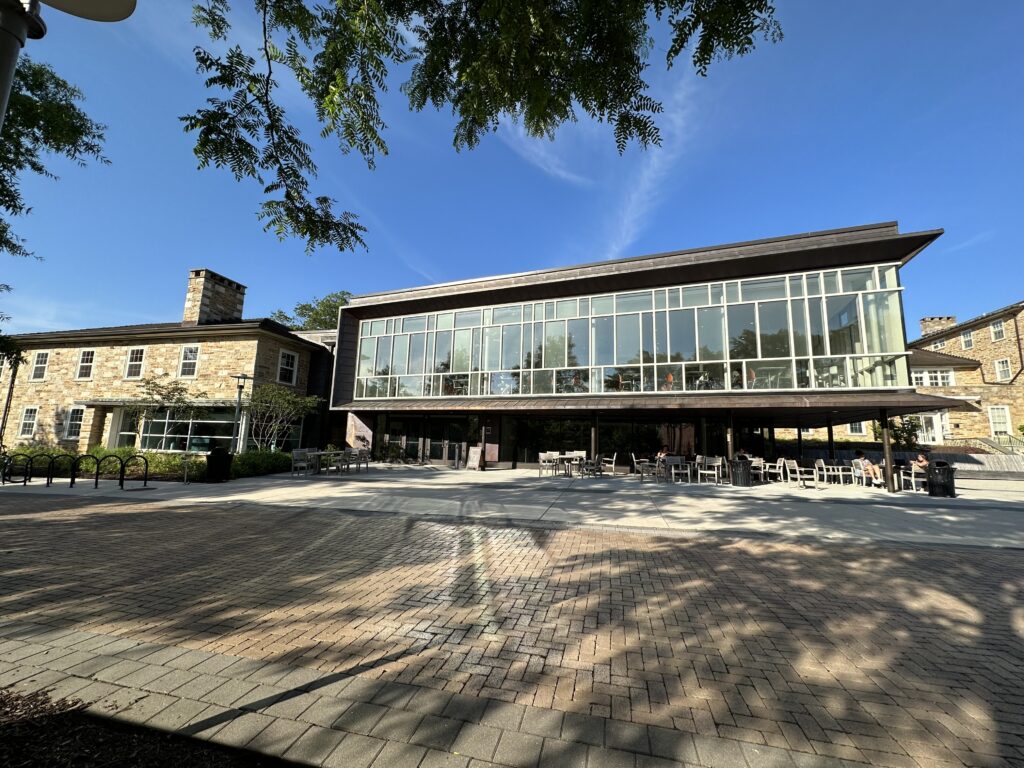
[865,112]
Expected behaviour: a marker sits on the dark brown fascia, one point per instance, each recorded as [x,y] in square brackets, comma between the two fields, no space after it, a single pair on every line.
[1011,309]
[868,244]
[160,332]
[925,358]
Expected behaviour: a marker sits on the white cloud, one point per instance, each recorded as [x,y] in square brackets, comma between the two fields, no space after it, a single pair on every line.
[540,153]
[971,242]
[643,192]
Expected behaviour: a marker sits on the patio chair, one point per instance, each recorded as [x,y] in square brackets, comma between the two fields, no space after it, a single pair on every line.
[913,476]
[643,468]
[860,477]
[362,456]
[828,472]
[609,464]
[712,467]
[840,472]
[546,461]
[678,464]
[757,469]
[591,467]
[800,475]
[301,462]
[776,471]
[341,462]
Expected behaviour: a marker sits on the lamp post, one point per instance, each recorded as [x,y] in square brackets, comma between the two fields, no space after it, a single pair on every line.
[20,21]
[241,378]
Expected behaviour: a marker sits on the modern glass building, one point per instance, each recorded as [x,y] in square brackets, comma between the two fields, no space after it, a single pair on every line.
[701,348]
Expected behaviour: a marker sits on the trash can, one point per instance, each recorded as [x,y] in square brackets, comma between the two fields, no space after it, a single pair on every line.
[218,465]
[940,479]
[740,471]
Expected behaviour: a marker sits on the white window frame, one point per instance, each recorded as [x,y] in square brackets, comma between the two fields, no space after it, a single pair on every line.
[967,339]
[997,326]
[991,422]
[294,369]
[78,367]
[807,430]
[860,430]
[35,421]
[1009,371]
[68,422]
[128,363]
[35,364]
[939,344]
[181,361]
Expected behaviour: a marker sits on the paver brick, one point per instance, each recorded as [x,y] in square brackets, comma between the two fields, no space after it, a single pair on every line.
[314,745]
[395,754]
[477,741]
[519,750]
[436,732]
[242,728]
[278,737]
[355,751]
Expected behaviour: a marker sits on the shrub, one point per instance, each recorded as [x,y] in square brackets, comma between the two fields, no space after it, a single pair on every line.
[255,463]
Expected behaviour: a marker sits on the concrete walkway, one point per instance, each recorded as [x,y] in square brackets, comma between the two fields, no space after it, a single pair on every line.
[986,513]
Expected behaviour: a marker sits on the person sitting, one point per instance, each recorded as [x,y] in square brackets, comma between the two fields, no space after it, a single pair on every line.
[871,470]
[737,379]
[741,454]
[921,462]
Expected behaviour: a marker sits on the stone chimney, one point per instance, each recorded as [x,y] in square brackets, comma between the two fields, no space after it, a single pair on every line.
[212,298]
[932,324]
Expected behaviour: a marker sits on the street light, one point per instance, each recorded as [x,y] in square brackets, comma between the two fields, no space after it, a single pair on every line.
[241,378]
[20,21]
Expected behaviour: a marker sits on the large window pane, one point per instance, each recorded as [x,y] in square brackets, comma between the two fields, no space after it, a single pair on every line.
[647,337]
[882,325]
[798,312]
[695,295]
[817,326]
[830,372]
[492,348]
[503,315]
[554,344]
[670,378]
[773,321]
[627,339]
[843,325]
[705,376]
[413,324]
[467,319]
[400,355]
[443,352]
[410,386]
[538,345]
[511,355]
[416,353]
[711,333]
[565,308]
[383,364]
[578,349]
[765,288]
[572,381]
[461,350]
[661,337]
[367,354]
[862,279]
[633,302]
[742,332]
[604,340]
[682,332]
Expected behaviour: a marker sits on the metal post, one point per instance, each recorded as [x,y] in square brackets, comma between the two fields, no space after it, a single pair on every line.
[799,443]
[593,438]
[241,378]
[831,442]
[729,438]
[17,24]
[771,442]
[890,486]
[483,445]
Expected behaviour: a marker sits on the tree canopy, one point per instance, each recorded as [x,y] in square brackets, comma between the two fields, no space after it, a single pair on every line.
[540,62]
[314,315]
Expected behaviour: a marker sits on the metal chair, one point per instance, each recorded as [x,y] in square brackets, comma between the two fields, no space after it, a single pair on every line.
[644,468]
[800,475]
[913,475]
[301,462]
[547,461]
[757,469]
[776,471]
[860,477]
[609,464]
[678,464]
[712,468]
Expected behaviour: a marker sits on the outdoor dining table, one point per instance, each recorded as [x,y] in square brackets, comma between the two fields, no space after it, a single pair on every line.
[332,456]
[568,460]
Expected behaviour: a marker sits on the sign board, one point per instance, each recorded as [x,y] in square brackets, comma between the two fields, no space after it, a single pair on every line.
[357,433]
[473,460]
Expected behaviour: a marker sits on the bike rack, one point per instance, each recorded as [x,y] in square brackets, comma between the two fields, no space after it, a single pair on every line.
[51,467]
[76,463]
[7,470]
[101,462]
[145,468]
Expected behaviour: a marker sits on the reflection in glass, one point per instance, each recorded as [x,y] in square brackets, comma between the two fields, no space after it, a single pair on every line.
[461,350]
[578,342]
[573,381]
[543,383]
[859,279]
[705,376]
[621,379]
[504,383]
[604,340]
[764,288]
[367,354]
[414,324]
[803,373]
[682,336]
[882,325]
[455,384]
[383,365]
[742,331]
[492,349]
[695,296]
[554,344]
[400,355]
[843,325]
[410,386]
[830,372]
[661,337]
[442,351]
[816,325]
[798,312]
[502,315]
[711,333]
[670,378]
[511,355]
[627,339]
[647,335]
[416,353]
[773,323]
[633,302]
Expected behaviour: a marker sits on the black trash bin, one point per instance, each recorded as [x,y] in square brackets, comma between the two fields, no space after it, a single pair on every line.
[218,465]
[940,479]
[740,471]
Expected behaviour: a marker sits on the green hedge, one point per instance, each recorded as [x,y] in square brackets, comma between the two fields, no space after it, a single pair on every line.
[165,466]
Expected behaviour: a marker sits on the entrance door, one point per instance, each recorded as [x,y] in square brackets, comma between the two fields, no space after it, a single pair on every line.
[999,419]
[931,431]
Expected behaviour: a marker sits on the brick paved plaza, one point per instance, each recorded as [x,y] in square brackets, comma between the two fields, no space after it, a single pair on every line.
[346,638]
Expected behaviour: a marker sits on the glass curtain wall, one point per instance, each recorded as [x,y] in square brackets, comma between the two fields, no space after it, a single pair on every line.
[837,329]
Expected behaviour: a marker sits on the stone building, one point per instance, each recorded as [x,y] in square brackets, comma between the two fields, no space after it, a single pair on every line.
[74,387]
[980,361]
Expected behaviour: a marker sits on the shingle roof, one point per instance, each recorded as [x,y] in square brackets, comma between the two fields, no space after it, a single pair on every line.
[929,358]
[1017,306]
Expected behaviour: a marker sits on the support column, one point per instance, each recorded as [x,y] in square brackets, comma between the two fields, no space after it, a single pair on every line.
[729,447]
[831,442]
[799,443]
[483,445]
[703,436]
[771,442]
[883,415]
[593,437]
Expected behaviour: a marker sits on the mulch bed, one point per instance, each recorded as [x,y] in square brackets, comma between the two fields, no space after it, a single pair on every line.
[36,731]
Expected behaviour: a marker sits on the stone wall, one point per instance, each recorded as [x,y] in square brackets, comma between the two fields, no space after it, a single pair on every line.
[60,389]
[212,298]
